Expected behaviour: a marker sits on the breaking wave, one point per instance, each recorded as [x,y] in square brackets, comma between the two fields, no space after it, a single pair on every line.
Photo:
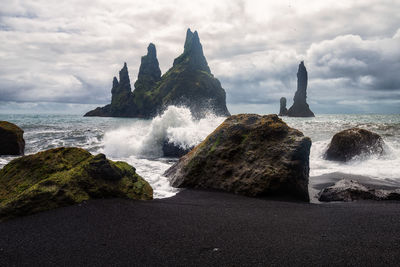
[145,138]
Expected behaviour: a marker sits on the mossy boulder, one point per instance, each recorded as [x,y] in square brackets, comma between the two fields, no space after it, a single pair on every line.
[248,154]
[65,176]
[347,144]
[11,139]
[189,82]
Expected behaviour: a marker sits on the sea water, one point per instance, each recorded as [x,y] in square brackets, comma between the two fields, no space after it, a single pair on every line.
[139,142]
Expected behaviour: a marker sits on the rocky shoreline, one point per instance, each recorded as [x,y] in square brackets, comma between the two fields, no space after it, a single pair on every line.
[197,226]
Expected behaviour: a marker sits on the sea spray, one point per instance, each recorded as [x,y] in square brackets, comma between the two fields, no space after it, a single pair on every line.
[322,128]
[145,138]
[140,144]
[47,131]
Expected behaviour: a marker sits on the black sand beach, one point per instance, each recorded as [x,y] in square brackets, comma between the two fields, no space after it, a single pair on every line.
[203,228]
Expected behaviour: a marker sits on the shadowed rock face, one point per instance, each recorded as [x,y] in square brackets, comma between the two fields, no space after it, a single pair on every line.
[283,109]
[349,190]
[349,143]
[174,151]
[188,83]
[65,176]
[11,139]
[300,107]
[248,154]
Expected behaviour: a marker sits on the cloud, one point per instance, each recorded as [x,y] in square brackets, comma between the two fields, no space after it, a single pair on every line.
[66,52]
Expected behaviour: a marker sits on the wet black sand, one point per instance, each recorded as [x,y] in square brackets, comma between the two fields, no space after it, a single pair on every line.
[202,228]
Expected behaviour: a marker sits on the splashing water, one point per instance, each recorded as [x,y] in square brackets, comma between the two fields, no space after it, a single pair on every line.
[145,138]
[322,128]
[139,142]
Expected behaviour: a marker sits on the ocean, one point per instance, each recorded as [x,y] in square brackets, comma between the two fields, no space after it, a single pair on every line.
[139,142]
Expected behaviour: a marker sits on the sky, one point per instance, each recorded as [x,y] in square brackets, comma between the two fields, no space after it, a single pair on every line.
[61,56]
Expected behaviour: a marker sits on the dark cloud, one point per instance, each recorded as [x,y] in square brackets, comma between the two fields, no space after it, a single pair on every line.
[64,52]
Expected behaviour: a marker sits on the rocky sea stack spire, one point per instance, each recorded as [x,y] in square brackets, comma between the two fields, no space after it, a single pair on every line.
[283,109]
[149,71]
[193,56]
[300,107]
[189,82]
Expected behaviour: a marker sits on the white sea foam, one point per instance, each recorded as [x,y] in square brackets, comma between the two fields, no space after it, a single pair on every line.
[140,144]
[145,138]
[322,128]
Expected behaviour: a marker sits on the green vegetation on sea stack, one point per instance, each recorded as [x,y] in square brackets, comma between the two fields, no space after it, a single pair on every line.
[65,176]
[188,83]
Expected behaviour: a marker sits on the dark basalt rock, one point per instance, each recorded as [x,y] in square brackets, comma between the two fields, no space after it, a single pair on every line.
[174,151]
[65,176]
[300,107]
[350,190]
[283,110]
[349,143]
[11,139]
[248,154]
[188,83]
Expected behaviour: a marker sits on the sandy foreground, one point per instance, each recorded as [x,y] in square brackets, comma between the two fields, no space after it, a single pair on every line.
[205,228]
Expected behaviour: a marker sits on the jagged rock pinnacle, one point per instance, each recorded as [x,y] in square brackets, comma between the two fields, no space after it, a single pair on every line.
[193,54]
[149,70]
[189,82]
[302,77]
[283,109]
[115,82]
[300,107]
[124,81]
[151,51]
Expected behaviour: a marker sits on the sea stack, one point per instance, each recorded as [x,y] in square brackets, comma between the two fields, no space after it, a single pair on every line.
[300,107]
[283,109]
[189,82]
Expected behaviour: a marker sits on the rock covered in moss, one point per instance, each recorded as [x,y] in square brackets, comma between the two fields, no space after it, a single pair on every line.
[65,176]
[189,82]
[11,139]
[353,142]
[248,154]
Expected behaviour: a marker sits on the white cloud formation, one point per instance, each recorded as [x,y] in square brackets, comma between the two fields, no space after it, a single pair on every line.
[68,51]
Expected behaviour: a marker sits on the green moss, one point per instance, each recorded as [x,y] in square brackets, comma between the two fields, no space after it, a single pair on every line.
[216,143]
[65,176]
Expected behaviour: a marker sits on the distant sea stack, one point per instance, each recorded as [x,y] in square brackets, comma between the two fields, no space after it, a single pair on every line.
[300,107]
[283,109]
[189,82]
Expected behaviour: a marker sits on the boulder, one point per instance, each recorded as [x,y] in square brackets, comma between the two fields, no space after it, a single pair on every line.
[248,154]
[174,151]
[350,190]
[189,82]
[349,143]
[300,107]
[65,176]
[11,139]
[282,109]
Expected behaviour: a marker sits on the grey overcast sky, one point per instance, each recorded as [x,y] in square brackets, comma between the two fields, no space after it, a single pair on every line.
[57,55]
